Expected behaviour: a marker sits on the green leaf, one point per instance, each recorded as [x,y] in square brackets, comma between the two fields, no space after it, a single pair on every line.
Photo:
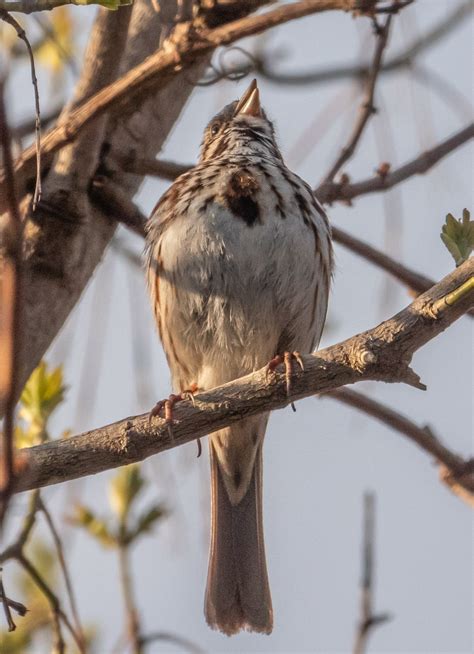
[458,236]
[146,521]
[108,4]
[43,392]
[124,489]
[97,528]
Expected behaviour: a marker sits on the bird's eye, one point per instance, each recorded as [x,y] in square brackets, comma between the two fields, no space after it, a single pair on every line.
[215,127]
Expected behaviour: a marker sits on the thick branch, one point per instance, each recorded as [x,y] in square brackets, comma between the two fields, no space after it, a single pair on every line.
[382,353]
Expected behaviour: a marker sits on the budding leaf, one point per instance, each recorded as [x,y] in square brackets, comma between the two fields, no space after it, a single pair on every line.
[124,488]
[108,4]
[85,518]
[458,236]
[42,393]
[146,521]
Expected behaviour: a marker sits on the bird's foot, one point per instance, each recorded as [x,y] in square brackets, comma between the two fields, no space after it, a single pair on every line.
[287,360]
[167,406]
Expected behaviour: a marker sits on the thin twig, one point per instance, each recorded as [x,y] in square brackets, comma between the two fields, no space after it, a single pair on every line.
[133,624]
[62,562]
[415,281]
[5,16]
[10,318]
[367,108]
[422,436]
[165,636]
[367,619]
[6,606]
[53,600]
[345,192]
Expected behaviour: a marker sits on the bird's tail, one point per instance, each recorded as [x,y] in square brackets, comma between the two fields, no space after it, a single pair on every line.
[238,594]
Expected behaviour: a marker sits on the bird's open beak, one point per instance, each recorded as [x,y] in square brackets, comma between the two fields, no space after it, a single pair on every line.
[249,103]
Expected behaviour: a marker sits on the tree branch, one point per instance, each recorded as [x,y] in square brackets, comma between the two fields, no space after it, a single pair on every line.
[422,436]
[382,353]
[11,286]
[345,192]
[367,618]
[367,108]
[31,6]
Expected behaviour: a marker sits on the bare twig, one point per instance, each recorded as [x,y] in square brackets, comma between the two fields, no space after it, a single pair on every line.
[133,624]
[367,108]
[64,568]
[415,281]
[367,619]
[345,192]
[53,600]
[5,16]
[6,606]
[165,636]
[10,316]
[422,436]
[382,353]
[124,94]
[403,60]
[28,125]
[155,167]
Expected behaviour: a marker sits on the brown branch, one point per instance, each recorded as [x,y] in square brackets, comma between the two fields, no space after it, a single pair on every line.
[345,192]
[367,619]
[415,281]
[62,562]
[28,125]
[52,598]
[6,606]
[154,167]
[190,41]
[133,624]
[422,436]
[5,16]
[404,59]
[167,637]
[367,108]
[10,315]
[382,353]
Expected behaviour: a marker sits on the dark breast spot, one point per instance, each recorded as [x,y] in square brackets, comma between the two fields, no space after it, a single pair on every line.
[241,197]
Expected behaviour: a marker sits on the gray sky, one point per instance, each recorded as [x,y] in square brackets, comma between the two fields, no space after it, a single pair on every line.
[319,461]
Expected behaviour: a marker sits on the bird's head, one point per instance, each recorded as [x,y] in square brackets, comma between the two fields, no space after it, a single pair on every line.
[242,127]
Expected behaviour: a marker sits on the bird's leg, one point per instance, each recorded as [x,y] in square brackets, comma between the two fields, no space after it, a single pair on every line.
[167,405]
[287,359]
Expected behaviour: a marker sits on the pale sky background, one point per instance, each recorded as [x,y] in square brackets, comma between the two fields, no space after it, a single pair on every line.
[319,461]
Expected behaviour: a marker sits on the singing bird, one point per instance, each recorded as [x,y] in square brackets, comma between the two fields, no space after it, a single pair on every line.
[239,261]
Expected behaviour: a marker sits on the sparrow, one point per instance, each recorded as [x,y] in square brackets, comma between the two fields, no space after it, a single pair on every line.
[239,262]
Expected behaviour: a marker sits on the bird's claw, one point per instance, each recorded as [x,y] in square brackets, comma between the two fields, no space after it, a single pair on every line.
[286,358]
[167,406]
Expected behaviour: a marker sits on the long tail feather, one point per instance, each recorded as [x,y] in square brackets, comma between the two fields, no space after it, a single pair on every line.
[238,594]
